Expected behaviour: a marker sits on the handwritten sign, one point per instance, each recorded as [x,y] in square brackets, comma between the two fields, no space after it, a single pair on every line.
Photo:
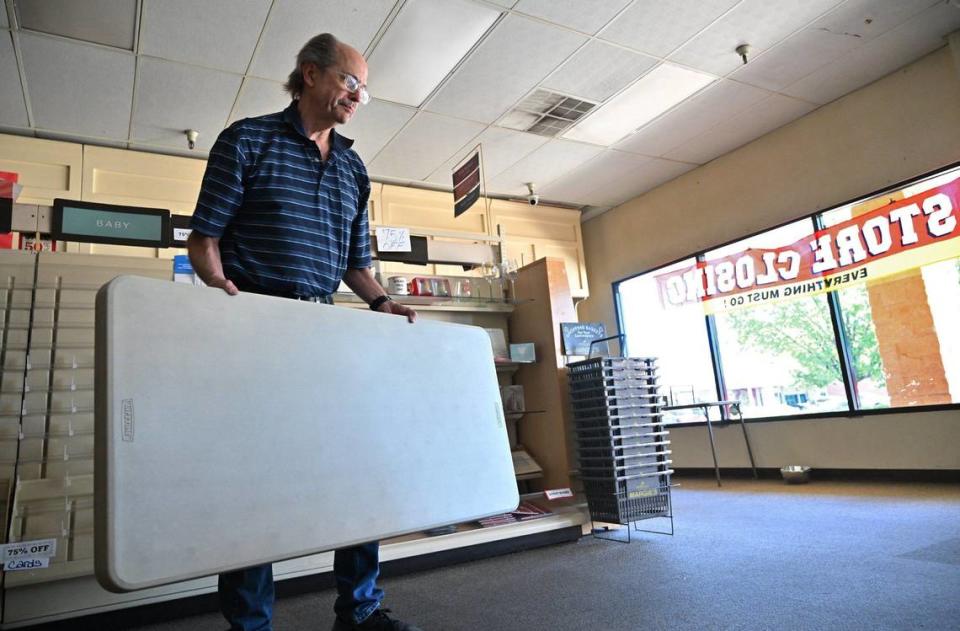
[26,564]
[577,337]
[393,239]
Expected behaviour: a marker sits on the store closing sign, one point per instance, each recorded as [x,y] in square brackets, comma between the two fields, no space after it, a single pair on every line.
[902,235]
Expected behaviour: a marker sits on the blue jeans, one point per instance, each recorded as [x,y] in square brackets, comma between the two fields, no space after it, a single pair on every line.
[246,596]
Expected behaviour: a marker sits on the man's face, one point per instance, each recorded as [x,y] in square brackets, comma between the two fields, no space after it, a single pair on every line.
[327,88]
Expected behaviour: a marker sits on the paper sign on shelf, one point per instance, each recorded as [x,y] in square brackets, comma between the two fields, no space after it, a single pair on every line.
[555,494]
[32,563]
[393,239]
[38,548]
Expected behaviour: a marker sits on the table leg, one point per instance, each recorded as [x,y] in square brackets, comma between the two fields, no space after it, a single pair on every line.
[743,427]
[713,447]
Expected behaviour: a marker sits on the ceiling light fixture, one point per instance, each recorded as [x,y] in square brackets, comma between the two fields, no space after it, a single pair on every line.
[656,92]
[431,36]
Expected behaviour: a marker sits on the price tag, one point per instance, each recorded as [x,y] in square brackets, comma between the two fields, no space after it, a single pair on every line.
[181,234]
[13,565]
[555,494]
[40,548]
[393,239]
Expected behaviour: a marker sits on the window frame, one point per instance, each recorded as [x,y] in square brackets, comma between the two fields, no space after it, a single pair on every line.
[836,317]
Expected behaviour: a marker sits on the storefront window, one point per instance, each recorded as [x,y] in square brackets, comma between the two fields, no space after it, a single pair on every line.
[763,309]
[902,326]
[778,353]
[677,335]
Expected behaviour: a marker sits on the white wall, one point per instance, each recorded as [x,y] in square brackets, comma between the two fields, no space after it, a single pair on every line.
[901,126]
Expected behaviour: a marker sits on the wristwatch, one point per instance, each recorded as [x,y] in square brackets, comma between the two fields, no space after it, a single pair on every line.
[379,301]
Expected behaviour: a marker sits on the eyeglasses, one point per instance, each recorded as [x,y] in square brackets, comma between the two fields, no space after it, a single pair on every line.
[354,86]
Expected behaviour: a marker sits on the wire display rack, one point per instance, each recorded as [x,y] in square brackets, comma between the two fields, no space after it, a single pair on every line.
[622,443]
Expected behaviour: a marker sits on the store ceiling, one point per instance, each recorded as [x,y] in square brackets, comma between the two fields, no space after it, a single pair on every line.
[137,73]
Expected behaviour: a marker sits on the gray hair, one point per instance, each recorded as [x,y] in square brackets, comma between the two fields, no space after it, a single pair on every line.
[323,51]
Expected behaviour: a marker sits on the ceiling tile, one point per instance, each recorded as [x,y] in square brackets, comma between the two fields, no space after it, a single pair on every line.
[621,179]
[492,79]
[795,58]
[762,118]
[875,59]
[829,38]
[107,22]
[431,36]
[593,182]
[696,116]
[504,3]
[4,23]
[78,88]
[587,16]
[868,19]
[293,22]
[501,148]
[259,97]
[422,146]
[220,34]
[654,173]
[659,26]
[760,23]
[374,125]
[172,97]
[13,111]
[598,70]
[543,166]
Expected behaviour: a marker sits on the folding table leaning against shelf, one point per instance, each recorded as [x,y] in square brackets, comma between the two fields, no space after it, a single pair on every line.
[234,431]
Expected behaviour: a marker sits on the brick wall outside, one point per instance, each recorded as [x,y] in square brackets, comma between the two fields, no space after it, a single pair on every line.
[909,347]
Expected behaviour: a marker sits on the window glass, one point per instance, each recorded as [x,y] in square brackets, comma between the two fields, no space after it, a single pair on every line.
[890,265]
[776,341]
[901,322]
[675,334]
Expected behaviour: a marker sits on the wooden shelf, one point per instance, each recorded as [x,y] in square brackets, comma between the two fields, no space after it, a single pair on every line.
[530,476]
[511,367]
[433,303]
[516,416]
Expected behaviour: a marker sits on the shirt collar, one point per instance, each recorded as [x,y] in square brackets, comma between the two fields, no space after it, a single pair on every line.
[292,116]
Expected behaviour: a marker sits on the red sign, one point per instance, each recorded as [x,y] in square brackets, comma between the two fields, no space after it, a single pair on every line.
[901,235]
[7,180]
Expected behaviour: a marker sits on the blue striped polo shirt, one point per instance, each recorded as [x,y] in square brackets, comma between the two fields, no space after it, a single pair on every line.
[287,221]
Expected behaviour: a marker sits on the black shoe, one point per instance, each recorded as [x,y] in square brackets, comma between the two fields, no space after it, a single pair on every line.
[377,621]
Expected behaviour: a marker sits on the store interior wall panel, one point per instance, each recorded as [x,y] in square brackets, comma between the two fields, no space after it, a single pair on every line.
[47,169]
[924,441]
[135,178]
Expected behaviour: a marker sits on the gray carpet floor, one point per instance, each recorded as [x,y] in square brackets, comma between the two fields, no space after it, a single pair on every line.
[751,555]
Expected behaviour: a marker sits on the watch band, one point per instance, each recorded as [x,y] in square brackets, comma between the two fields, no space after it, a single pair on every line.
[379,301]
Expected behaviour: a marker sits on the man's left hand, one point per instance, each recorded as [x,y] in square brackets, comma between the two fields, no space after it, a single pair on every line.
[396,308]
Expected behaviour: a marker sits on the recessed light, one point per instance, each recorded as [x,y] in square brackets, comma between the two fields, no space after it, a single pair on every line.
[656,92]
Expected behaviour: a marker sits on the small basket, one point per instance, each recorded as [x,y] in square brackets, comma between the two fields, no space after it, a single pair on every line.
[621,508]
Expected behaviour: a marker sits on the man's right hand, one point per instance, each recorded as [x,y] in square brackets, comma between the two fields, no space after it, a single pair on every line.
[226,285]
[204,254]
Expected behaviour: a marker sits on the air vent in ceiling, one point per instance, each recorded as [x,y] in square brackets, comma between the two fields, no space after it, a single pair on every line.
[546,113]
